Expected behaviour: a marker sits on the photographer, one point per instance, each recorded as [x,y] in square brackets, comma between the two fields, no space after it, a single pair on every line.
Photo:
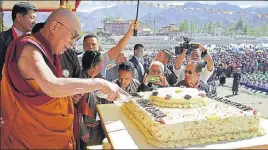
[195,55]
[155,78]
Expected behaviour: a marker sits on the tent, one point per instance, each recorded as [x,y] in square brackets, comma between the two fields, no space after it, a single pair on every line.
[42,6]
[262,45]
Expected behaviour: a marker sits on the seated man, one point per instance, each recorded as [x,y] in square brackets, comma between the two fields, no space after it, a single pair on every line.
[155,78]
[126,80]
[91,130]
[192,77]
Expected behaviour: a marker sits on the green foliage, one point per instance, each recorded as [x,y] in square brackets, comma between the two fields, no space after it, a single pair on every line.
[239,25]
[238,28]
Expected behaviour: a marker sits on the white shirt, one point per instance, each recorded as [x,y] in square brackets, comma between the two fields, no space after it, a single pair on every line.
[18,32]
[106,61]
[140,64]
[204,75]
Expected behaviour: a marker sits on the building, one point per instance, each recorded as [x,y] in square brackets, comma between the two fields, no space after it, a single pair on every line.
[170,28]
[116,27]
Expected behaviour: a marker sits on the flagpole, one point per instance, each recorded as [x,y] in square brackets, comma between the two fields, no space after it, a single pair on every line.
[137,14]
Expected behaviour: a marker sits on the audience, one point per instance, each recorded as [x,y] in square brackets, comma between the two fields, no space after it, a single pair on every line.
[91,43]
[112,73]
[126,80]
[192,77]
[23,17]
[164,57]
[195,55]
[91,129]
[138,61]
[155,78]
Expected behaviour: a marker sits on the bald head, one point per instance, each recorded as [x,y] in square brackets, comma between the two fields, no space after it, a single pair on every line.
[62,30]
[65,17]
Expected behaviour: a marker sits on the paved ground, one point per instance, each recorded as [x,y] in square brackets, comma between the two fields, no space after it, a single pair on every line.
[255,100]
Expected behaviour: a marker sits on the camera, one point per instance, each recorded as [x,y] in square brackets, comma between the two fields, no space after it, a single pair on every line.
[186,45]
[154,79]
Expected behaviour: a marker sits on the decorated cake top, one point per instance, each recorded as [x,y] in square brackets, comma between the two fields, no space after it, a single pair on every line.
[178,93]
[176,97]
[216,109]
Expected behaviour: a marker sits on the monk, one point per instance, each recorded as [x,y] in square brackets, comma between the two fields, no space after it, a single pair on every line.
[36,103]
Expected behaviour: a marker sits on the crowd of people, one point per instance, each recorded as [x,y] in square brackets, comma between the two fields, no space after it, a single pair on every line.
[252,65]
[49,93]
[255,81]
[250,62]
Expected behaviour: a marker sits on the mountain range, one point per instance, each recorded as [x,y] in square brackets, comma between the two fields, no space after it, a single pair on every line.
[163,17]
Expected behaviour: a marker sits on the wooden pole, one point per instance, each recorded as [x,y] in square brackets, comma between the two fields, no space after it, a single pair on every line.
[62,2]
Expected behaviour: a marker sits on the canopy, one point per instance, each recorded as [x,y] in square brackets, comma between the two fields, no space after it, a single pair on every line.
[42,6]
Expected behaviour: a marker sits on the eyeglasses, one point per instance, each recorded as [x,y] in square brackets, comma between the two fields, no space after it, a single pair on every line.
[75,36]
[189,72]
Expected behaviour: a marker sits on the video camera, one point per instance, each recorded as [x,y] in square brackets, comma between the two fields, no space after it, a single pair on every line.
[186,45]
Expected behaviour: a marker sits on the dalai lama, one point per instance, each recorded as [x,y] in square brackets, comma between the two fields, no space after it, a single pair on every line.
[36,103]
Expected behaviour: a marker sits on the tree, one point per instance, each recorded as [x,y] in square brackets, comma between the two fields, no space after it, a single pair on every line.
[210,27]
[218,24]
[239,24]
[245,29]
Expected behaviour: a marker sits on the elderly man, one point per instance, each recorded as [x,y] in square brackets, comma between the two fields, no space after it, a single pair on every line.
[38,109]
[192,77]
[91,43]
[112,73]
[23,17]
[71,69]
[195,55]
[155,78]
[126,81]
[164,57]
[91,130]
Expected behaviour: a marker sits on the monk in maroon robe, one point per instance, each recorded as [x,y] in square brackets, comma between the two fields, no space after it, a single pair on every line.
[36,103]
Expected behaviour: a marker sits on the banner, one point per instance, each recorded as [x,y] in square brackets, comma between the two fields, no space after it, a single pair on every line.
[214,11]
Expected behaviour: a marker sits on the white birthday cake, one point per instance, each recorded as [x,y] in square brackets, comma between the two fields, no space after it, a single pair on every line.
[219,120]
[178,97]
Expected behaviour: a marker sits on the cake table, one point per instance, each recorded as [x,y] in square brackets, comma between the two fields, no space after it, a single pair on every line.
[122,133]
